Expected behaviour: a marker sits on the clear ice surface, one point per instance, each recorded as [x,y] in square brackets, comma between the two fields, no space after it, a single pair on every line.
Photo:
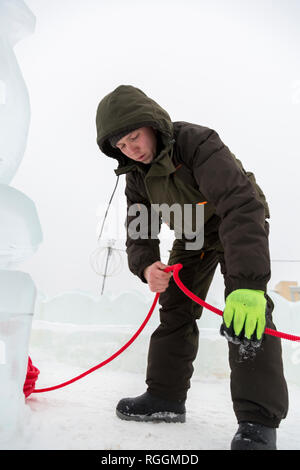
[16,22]
[20,230]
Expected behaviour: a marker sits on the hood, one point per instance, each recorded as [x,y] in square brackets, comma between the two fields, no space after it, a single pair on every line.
[124,108]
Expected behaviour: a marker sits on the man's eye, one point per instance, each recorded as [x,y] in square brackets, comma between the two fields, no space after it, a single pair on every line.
[135,137]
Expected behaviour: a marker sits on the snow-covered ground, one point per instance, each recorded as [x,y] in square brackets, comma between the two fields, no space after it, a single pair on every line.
[82,415]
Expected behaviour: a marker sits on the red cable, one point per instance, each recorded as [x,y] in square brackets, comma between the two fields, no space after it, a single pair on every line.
[33,372]
[40,390]
[268,331]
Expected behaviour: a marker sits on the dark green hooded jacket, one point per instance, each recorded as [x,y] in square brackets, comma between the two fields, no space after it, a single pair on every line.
[192,166]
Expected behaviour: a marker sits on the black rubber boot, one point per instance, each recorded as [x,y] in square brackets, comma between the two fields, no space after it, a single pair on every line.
[147,407]
[254,436]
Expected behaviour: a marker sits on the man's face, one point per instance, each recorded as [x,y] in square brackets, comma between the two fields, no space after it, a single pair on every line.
[139,145]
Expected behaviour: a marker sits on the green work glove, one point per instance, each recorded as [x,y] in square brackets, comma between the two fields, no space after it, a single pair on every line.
[244,317]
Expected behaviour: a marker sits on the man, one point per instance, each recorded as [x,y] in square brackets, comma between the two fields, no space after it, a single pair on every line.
[188,164]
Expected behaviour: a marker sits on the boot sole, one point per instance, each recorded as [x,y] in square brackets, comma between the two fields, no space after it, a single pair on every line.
[160,417]
[244,444]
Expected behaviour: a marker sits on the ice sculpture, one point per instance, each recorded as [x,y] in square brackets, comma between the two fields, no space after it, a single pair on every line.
[16,21]
[20,236]
[20,230]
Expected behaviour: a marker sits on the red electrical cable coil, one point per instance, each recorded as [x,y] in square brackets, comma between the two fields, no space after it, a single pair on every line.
[32,372]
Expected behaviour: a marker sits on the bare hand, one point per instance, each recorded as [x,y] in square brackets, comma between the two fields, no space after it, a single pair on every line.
[157,279]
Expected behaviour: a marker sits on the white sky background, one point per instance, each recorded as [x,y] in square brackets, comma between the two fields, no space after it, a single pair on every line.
[232,65]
